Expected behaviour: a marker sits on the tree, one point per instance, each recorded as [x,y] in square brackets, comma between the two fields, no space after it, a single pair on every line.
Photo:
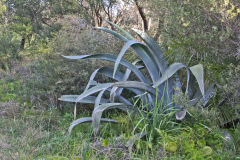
[31,18]
[96,11]
[145,25]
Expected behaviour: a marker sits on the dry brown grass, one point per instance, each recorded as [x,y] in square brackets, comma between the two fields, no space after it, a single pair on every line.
[9,109]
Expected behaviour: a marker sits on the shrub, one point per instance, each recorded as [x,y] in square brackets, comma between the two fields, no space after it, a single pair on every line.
[158,85]
[9,48]
[203,30]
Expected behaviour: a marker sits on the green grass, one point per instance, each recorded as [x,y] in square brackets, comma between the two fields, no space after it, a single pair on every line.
[39,131]
[31,134]
[42,134]
[34,134]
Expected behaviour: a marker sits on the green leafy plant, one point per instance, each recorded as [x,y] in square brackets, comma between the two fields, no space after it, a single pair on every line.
[160,83]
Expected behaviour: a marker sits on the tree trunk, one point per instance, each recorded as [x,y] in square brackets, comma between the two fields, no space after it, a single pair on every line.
[22,46]
[143,16]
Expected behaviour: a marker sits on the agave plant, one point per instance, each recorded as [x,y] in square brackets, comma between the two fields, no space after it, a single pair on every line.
[161,83]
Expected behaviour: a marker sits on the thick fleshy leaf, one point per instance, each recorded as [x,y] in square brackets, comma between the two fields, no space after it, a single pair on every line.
[125,78]
[97,113]
[129,36]
[210,92]
[112,58]
[108,71]
[170,71]
[200,100]
[121,54]
[113,33]
[144,53]
[99,97]
[84,120]
[137,85]
[91,79]
[197,96]
[88,99]
[93,90]
[180,114]
[167,83]
[158,55]
[124,100]
[147,57]
[197,71]
[112,94]
[191,85]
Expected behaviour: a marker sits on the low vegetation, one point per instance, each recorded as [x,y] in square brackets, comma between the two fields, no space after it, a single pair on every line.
[173,96]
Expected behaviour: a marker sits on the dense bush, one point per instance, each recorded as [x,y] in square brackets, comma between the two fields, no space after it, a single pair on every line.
[9,48]
[76,37]
[203,30]
[206,31]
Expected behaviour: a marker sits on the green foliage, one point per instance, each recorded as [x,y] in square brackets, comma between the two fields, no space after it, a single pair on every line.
[195,142]
[203,30]
[2,9]
[191,139]
[206,31]
[9,48]
[232,86]
[8,90]
[229,96]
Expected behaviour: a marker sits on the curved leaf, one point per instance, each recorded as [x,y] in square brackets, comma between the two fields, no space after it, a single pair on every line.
[121,54]
[144,53]
[97,113]
[129,36]
[190,88]
[99,97]
[108,71]
[125,78]
[180,114]
[150,62]
[112,58]
[124,100]
[211,91]
[113,94]
[84,120]
[197,71]
[93,90]
[88,99]
[92,78]
[137,85]
[158,55]
[170,71]
[113,33]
